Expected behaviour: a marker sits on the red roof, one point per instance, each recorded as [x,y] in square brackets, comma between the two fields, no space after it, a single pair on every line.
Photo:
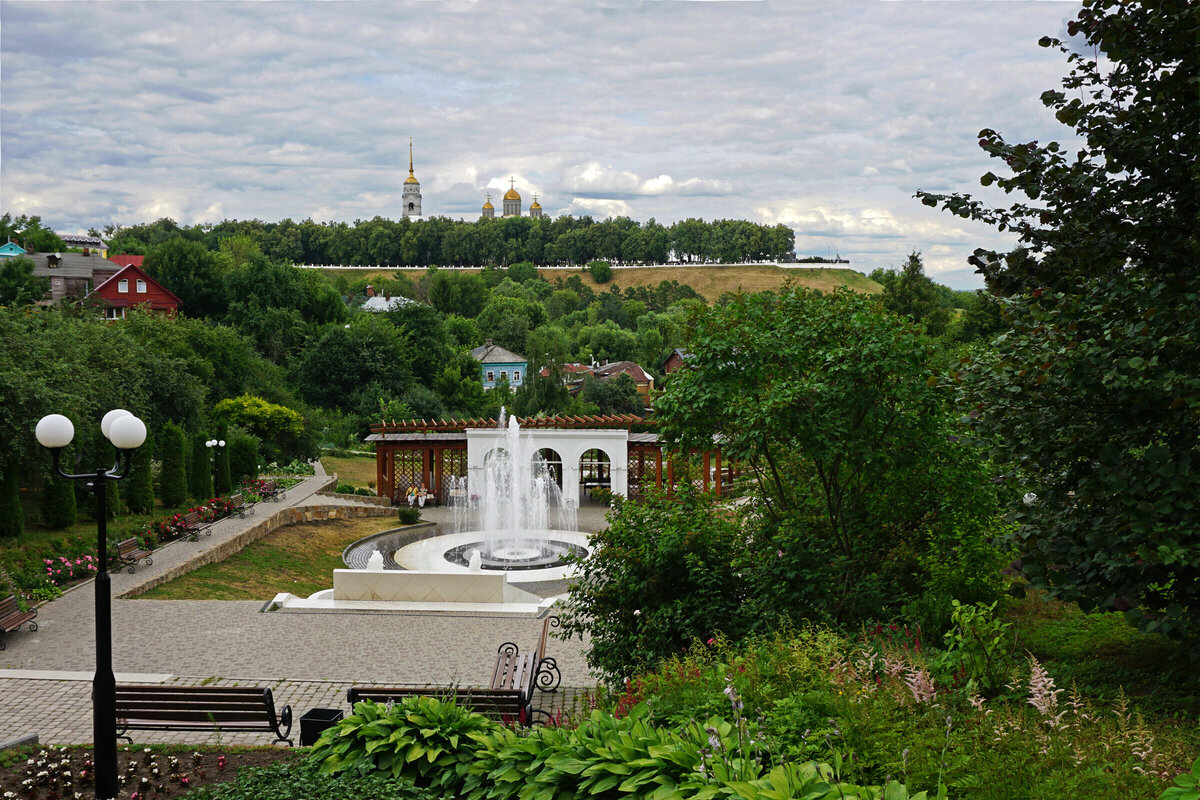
[128,261]
[617,367]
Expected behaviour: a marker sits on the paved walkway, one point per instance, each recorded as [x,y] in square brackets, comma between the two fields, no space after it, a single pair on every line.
[308,658]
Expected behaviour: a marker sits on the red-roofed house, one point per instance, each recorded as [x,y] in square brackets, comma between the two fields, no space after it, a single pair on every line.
[128,261]
[130,288]
[643,381]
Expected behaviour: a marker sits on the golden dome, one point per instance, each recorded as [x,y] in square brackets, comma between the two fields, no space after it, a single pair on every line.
[534,204]
[511,194]
[488,204]
[411,179]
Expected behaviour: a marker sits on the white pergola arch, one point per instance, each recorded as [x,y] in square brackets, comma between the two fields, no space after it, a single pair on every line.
[570,444]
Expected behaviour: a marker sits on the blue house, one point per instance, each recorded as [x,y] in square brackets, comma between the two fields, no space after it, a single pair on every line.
[496,363]
[11,249]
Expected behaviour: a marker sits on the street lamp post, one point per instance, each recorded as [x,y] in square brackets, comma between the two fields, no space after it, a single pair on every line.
[211,444]
[127,433]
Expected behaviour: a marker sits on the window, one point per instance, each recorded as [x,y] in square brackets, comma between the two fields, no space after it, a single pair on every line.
[516,376]
[141,286]
[114,313]
[122,286]
[503,375]
[491,376]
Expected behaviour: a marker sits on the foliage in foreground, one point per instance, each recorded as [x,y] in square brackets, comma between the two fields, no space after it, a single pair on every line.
[884,706]
[1092,399]
[460,753]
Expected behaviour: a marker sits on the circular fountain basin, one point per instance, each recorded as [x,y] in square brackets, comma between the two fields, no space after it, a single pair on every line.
[524,560]
[530,559]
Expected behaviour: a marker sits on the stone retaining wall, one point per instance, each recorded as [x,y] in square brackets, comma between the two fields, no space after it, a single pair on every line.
[374,500]
[285,516]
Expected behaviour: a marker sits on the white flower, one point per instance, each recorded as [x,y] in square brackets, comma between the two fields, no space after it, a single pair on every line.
[1030,498]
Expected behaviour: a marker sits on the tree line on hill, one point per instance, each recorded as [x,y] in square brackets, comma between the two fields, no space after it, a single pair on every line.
[442,241]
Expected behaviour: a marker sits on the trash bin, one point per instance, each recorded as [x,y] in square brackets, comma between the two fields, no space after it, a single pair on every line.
[316,721]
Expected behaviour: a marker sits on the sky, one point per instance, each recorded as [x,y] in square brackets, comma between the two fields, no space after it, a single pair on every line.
[824,116]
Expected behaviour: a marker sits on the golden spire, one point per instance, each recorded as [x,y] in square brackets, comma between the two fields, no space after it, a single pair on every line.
[511,194]
[411,178]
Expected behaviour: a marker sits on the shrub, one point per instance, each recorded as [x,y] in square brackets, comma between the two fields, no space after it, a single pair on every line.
[408,515]
[664,572]
[600,270]
[423,739]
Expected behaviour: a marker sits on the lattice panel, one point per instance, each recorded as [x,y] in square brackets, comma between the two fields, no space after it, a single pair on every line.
[407,471]
[454,465]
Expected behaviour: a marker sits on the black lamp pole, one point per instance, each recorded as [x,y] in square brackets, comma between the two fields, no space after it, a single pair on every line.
[104,684]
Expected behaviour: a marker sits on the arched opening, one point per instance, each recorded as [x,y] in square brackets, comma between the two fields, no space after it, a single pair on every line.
[412,206]
[595,472]
[553,463]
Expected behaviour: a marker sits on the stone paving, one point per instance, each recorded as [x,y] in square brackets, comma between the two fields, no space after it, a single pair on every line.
[309,659]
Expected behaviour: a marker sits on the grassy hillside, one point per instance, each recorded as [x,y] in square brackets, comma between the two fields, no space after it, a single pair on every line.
[710,280]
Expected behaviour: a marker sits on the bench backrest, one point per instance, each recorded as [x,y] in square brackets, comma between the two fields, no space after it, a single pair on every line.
[191,518]
[195,703]
[495,703]
[127,546]
[236,500]
[8,606]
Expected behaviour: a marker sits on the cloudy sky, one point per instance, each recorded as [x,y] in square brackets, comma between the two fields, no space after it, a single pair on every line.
[824,116]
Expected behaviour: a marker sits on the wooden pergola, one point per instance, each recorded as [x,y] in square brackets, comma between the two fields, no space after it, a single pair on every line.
[421,452]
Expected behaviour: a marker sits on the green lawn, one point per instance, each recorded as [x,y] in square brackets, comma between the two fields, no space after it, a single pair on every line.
[298,558]
[358,470]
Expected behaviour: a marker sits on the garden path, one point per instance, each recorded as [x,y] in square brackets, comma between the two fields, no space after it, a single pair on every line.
[308,658]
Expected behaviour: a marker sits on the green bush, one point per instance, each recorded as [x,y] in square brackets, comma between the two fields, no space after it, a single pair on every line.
[601,271]
[408,515]
[423,739]
[303,781]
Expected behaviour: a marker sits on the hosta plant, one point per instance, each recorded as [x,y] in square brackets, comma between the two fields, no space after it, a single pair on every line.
[429,741]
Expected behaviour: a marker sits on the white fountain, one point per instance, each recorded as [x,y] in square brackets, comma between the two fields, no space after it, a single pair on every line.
[501,538]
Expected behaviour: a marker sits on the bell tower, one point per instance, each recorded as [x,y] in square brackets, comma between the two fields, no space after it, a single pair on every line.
[411,198]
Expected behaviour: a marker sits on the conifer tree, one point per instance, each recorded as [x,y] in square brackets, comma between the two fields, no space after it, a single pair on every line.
[173,490]
[200,477]
[223,481]
[59,509]
[243,457]
[12,516]
[141,478]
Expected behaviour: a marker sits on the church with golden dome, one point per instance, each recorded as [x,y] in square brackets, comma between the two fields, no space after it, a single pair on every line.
[512,204]
[411,198]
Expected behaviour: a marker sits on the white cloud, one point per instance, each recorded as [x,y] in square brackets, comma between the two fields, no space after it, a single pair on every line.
[813,114]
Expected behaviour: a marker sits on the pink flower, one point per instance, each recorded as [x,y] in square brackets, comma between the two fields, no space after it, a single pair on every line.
[710,641]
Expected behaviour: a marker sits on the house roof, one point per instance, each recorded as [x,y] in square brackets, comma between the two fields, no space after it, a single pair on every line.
[11,248]
[82,240]
[495,354]
[125,261]
[617,367]
[382,303]
[71,265]
[125,273]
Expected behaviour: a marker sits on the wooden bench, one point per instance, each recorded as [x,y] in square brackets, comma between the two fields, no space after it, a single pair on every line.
[272,491]
[129,552]
[498,704]
[12,618]
[239,506]
[194,526]
[186,708]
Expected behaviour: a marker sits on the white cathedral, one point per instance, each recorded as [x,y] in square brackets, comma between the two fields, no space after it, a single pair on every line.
[411,197]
